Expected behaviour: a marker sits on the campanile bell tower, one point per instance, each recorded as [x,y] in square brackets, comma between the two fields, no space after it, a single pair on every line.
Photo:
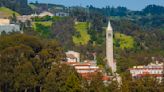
[109,48]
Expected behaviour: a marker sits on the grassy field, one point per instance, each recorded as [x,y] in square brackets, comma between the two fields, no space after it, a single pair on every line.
[43,28]
[123,41]
[47,24]
[32,6]
[5,12]
[83,37]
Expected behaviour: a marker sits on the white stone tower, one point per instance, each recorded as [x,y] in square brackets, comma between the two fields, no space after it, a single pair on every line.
[109,48]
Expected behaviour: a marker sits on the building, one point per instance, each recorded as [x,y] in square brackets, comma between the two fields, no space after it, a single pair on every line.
[34,15]
[72,56]
[24,18]
[109,48]
[86,69]
[46,13]
[9,28]
[62,14]
[4,21]
[6,27]
[152,69]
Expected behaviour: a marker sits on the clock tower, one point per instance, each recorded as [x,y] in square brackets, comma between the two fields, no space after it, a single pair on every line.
[109,48]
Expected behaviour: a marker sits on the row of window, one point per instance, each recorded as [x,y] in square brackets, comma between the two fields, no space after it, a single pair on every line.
[150,72]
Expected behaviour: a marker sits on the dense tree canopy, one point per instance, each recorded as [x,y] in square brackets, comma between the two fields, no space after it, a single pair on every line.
[25,61]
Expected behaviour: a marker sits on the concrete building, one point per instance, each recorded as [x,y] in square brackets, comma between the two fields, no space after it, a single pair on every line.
[109,48]
[152,69]
[4,21]
[6,27]
[46,13]
[24,18]
[72,56]
[84,67]
[9,28]
[62,14]
[34,15]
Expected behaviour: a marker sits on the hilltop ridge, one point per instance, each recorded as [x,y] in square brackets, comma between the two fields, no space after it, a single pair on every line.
[6,12]
[20,6]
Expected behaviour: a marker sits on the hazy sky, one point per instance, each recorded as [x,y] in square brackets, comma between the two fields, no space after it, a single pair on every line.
[130,4]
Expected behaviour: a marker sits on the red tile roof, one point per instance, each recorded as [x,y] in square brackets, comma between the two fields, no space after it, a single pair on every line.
[152,75]
[86,68]
[89,76]
[145,68]
[82,65]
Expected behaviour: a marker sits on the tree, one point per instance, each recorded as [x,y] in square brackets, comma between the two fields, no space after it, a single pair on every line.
[113,86]
[10,59]
[62,78]
[14,18]
[63,31]
[73,83]
[25,62]
[96,84]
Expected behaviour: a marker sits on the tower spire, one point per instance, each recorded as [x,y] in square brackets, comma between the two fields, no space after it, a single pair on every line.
[109,26]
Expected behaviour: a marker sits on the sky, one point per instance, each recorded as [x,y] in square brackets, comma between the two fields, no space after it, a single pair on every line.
[130,4]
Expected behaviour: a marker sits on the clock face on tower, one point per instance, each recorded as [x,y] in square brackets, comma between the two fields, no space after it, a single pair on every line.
[109,35]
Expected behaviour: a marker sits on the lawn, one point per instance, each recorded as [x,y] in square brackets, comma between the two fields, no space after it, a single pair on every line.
[43,28]
[123,41]
[32,6]
[47,24]
[6,12]
[82,37]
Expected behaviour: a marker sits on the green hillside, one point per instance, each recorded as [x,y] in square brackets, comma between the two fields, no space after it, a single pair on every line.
[81,37]
[43,28]
[47,24]
[6,12]
[32,6]
[123,41]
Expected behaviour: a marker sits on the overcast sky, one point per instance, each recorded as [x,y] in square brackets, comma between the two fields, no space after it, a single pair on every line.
[130,4]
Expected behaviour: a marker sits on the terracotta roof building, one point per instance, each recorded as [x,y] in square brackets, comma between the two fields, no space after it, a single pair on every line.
[153,70]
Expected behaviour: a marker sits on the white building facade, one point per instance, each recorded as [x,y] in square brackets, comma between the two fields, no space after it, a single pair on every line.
[61,14]
[153,70]
[46,13]
[72,56]
[85,67]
